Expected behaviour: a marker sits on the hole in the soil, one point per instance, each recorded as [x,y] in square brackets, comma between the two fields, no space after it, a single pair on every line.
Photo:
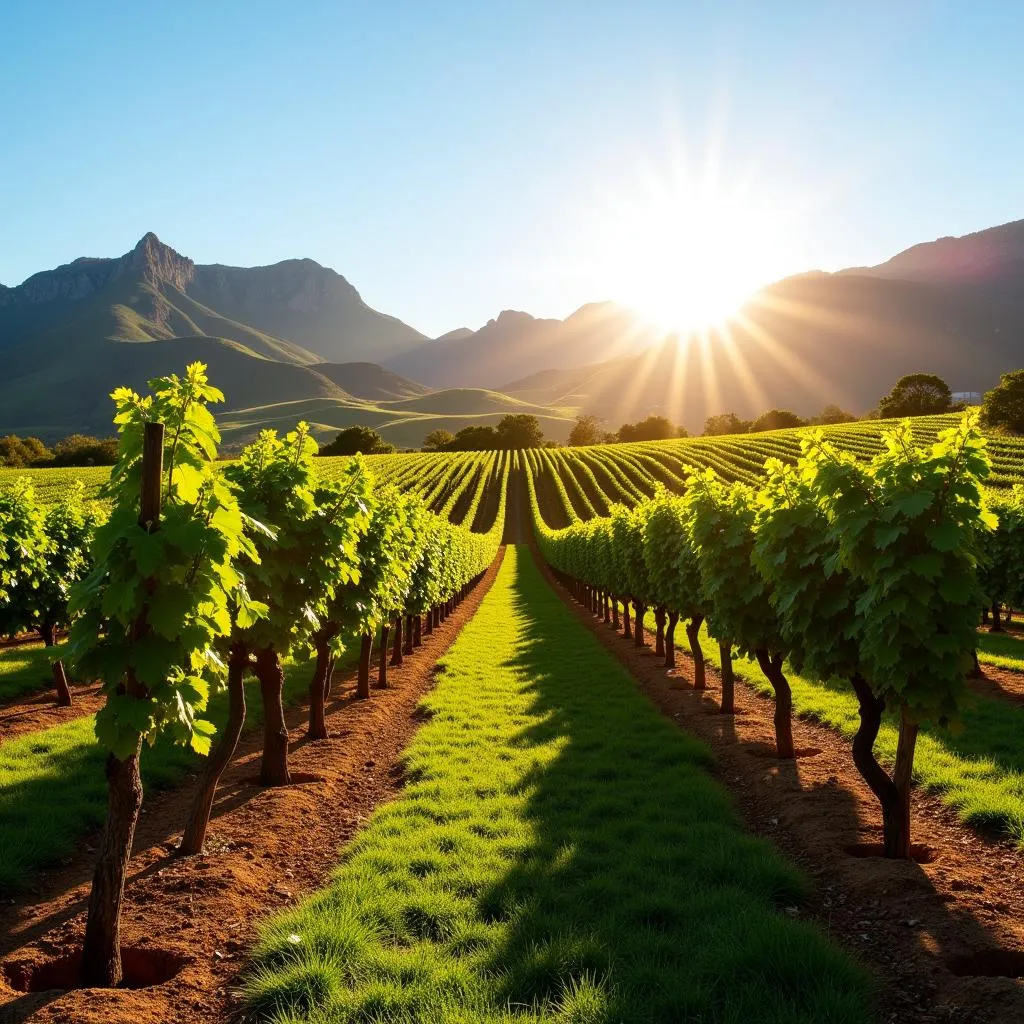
[919,853]
[992,963]
[298,779]
[142,968]
[801,753]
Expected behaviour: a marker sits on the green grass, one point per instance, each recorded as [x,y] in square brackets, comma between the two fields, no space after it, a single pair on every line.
[24,669]
[560,854]
[1004,650]
[978,773]
[53,790]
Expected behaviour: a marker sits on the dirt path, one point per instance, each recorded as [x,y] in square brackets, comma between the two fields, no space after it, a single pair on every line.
[930,932]
[40,711]
[267,847]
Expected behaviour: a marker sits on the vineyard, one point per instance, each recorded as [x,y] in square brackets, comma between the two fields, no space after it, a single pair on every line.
[252,644]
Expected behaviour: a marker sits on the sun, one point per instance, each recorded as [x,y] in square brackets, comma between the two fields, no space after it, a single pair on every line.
[687,252]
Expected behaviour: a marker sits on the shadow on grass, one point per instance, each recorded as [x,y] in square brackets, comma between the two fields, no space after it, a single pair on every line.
[561,853]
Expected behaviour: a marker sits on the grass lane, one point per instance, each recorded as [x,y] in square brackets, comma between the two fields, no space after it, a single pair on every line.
[1004,650]
[24,669]
[53,790]
[978,773]
[560,854]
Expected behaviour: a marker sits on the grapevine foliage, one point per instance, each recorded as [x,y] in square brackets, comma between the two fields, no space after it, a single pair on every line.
[152,609]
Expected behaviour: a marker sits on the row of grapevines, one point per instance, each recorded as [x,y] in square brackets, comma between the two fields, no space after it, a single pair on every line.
[873,572]
[219,573]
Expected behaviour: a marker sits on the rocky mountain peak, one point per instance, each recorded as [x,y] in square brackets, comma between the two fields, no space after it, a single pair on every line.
[159,262]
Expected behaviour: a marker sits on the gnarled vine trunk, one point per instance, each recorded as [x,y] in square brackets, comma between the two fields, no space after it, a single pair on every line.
[363,677]
[319,686]
[893,793]
[638,624]
[274,766]
[396,649]
[101,952]
[728,677]
[60,677]
[417,631]
[997,622]
[202,806]
[615,612]
[670,640]
[659,636]
[771,666]
[626,631]
[697,652]
[382,662]
[408,634]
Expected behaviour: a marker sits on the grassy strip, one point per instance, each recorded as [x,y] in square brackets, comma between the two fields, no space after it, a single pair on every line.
[560,854]
[1004,650]
[25,668]
[53,790]
[978,773]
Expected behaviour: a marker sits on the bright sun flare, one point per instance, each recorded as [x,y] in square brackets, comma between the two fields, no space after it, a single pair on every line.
[686,254]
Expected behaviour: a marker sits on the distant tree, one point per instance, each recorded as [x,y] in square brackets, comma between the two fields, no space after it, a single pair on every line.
[681,431]
[1003,406]
[474,439]
[917,394]
[83,450]
[776,419]
[352,440]
[21,452]
[519,431]
[438,440]
[725,423]
[586,430]
[609,437]
[551,443]
[832,414]
[654,428]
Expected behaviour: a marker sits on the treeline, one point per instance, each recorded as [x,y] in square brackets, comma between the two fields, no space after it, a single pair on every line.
[74,450]
[872,573]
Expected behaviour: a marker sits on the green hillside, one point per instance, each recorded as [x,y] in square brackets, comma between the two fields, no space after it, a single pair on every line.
[404,422]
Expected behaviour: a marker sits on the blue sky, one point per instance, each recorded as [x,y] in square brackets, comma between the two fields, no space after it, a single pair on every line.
[453,159]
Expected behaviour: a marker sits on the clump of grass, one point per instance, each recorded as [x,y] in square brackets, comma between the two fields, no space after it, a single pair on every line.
[562,856]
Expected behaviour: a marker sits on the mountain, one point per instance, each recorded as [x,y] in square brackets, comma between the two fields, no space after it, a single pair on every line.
[516,344]
[954,307]
[296,311]
[295,339]
[69,335]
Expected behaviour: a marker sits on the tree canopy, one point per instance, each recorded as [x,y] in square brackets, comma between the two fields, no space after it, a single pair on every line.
[776,419]
[654,428]
[1003,406]
[586,430]
[519,430]
[916,394]
[725,423]
[438,440]
[356,440]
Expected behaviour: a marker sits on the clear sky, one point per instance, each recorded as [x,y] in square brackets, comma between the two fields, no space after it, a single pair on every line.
[454,159]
